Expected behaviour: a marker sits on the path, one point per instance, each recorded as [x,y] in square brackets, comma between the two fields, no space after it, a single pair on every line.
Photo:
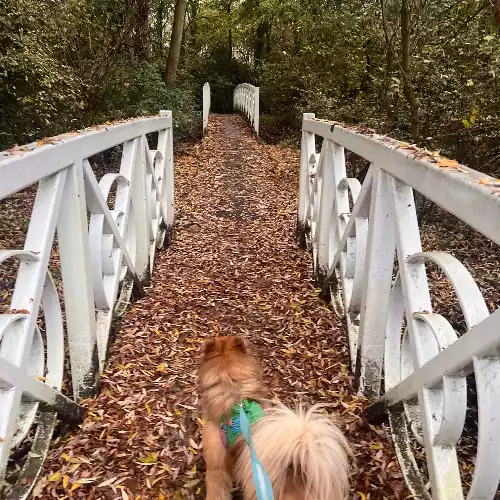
[234,268]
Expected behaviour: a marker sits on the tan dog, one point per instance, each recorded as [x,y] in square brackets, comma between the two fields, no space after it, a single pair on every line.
[303,452]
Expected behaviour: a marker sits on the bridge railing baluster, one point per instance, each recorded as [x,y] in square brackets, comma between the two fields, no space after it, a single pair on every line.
[105,248]
[246,100]
[206,105]
[368,259]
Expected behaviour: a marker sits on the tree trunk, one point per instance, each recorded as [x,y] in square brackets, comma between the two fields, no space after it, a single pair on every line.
[230,34]
[193,26]
[159,31]
[386,103]
[496,8]
[368,74]
[405,66]
[261,46]
[142,38]
[175,43]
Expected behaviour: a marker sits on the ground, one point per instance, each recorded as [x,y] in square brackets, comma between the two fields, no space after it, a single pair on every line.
[234,269]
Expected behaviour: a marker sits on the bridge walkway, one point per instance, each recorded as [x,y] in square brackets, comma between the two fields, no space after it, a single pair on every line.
[234,269]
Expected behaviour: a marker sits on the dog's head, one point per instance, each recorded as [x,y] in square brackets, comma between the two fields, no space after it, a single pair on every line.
[228,373]
[224,346]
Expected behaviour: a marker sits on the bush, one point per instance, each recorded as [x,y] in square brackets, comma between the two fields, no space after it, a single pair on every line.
[138,90]
[39,95]
[60,71]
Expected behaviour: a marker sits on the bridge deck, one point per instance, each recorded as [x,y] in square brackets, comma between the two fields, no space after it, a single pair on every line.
[234,268]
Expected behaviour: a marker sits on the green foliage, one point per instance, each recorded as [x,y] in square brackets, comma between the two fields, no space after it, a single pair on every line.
[38,92]
[138,90]
[341,59]
[64,64]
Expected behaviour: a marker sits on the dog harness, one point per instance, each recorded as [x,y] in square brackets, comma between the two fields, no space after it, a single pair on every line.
[242,417]
[230,427]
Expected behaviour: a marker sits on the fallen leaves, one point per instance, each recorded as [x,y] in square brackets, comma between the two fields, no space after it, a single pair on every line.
[150,459]
[55,477]
[494,184]
[19,311]
[434,157]
[234,268]
[14,150]
[192,483]
[47,140]
[162,368]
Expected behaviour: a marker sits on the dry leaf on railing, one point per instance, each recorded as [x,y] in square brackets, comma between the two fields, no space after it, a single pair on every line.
[445,162]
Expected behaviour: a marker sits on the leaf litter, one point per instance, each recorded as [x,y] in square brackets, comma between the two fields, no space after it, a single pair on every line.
[234,268]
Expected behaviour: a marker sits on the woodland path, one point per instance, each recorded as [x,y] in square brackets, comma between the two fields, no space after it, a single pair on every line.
[234,268]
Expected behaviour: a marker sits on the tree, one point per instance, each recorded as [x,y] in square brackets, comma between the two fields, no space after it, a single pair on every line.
[389,39]
[175,43]
[406,70]
[141,33]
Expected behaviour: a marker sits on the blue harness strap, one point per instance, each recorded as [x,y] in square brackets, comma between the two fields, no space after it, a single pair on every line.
[260,477]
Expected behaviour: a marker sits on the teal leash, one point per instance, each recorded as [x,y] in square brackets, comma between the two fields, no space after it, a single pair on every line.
[260,477]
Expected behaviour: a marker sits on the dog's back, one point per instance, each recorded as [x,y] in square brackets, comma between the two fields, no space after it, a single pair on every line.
[304,453]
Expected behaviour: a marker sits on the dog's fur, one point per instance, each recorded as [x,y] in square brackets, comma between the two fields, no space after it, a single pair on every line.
[303,452]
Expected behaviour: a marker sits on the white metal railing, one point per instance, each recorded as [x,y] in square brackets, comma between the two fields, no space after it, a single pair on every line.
[246,100]
[206,105]
[104,251]
[422,366]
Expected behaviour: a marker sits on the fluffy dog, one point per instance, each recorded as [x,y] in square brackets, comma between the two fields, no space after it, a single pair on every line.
[303,452]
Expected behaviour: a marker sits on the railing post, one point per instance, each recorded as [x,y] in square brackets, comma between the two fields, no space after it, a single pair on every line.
[325,208]
[169,180]
[206,105]
[72,234]
[307,147]
[377,283]
[138,183]
[256,110]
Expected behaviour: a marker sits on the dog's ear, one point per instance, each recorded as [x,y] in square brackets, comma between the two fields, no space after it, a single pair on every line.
[240,344]
[209,347]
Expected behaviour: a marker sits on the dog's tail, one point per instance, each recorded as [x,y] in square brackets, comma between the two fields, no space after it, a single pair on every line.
[304,453]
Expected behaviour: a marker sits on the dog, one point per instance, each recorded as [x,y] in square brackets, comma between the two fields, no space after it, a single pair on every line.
[304,453]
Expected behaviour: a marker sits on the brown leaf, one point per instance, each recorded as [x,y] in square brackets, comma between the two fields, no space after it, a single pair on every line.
[445,162]
[19,311]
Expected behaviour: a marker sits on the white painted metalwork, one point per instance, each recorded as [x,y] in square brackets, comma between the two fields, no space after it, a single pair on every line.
[395,340]
[103,253]
[246,100]
[206,105]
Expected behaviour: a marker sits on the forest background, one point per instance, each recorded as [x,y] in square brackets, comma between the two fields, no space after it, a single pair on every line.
[426,71]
